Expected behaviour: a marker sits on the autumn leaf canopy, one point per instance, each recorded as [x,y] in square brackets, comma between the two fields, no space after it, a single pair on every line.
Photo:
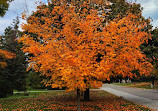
[73,46]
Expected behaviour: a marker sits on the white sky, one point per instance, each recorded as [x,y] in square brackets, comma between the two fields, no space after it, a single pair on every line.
[150,8]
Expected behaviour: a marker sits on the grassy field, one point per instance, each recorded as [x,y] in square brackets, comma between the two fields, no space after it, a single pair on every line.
[61,101]
[146,85]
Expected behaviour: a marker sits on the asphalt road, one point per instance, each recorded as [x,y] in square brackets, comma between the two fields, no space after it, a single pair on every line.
[146,97]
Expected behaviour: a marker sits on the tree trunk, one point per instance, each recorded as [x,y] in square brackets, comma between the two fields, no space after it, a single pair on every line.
[153,82]
[78,100]
[125,80]
[86,95]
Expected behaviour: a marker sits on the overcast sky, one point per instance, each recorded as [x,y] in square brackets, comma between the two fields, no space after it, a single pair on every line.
[150,8]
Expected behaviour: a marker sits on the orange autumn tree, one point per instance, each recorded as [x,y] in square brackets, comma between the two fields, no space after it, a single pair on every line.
[73,48]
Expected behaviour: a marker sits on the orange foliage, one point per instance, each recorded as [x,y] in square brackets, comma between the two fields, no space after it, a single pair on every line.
[5,55]
[74,48]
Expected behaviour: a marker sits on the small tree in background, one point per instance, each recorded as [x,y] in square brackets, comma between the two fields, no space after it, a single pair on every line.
[74,49]
[34,80]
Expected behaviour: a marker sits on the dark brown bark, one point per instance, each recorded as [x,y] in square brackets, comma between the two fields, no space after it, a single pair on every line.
[86,95]
[78,100]
[153,80]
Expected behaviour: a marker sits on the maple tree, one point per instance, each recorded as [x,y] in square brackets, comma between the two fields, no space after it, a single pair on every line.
[71,46]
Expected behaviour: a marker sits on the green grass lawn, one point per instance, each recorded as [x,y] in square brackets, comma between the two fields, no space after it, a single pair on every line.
[32,90]
[146,85]
[18,95]
[61,101]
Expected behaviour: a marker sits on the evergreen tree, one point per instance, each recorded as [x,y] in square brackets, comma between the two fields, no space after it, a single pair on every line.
[15,72]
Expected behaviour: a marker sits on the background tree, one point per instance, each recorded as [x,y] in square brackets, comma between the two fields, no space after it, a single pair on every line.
[5,85]
[4,4]
[74,49]
[34,80]
[4,54]
[151,51]
[121,7]
[15,71]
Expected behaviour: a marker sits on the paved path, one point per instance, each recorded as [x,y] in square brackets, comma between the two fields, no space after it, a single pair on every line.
[146,97]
